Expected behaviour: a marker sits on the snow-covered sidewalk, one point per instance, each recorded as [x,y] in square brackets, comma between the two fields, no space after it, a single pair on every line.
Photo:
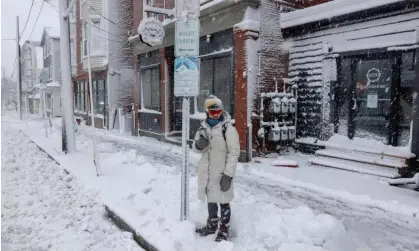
[43,208]
[141,183]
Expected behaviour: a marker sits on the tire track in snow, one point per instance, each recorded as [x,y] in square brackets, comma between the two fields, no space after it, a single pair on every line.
[373,225]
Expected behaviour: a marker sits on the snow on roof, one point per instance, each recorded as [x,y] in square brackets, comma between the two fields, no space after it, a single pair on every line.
[54,84]
[53,32]
[251,20]
[328,10]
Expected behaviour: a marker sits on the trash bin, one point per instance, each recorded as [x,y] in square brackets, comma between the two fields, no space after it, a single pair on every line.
[128,120]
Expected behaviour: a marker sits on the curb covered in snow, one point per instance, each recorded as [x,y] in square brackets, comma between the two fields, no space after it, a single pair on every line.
[112,215]
[43,150]
[122,224]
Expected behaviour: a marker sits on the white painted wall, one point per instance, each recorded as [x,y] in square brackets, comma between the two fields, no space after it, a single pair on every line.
[119,54]
[310,53]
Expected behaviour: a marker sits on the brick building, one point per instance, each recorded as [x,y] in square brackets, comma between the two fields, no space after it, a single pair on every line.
[232,34]
[108,24]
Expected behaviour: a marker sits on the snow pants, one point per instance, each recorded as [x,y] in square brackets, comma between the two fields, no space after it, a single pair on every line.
[225,212]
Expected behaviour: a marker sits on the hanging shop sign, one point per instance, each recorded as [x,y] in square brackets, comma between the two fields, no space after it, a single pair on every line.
[151,31]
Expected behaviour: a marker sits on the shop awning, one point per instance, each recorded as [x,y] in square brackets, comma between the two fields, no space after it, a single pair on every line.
[30,97]
[37,96]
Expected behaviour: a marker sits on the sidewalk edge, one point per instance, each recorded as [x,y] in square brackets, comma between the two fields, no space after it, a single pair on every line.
[123,225]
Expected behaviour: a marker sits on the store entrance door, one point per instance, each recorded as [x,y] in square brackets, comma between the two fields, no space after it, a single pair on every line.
[369,102]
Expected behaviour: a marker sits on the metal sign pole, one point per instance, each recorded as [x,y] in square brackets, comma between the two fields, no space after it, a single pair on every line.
[185,161]
[186,81]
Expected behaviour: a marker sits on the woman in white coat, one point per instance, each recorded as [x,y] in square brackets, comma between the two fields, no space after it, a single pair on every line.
[218,141]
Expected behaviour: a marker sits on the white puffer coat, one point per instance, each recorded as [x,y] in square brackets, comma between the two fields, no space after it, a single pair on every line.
[220,156]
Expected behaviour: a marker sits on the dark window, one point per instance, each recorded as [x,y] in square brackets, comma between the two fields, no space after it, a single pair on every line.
[80,96]
[216,79]
[99,93]
[408,61]
[150,81]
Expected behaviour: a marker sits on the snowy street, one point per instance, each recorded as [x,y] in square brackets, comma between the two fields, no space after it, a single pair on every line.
[140,182]
[43,208]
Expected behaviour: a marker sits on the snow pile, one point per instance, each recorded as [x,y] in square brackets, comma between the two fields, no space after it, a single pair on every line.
[294,227]
[367,143]
[43,208]
[281,161]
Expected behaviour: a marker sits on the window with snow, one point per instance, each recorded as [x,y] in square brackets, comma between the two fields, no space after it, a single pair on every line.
[95,41]
[150,86]
[73,52]
[152,4]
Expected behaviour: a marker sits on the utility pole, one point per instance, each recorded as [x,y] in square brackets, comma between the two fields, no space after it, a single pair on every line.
[19,76]
[69,144]
[3,89]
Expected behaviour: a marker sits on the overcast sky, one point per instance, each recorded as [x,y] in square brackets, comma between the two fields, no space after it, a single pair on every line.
[12,8]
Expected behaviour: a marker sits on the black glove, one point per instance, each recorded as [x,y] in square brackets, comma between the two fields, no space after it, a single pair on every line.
[225,183]
[201,143]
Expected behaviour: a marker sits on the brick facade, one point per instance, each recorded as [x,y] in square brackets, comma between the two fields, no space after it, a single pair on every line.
[240,62]
[273,68]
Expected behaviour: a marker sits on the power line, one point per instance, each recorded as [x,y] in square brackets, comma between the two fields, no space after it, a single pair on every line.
[27,19]
[53,5]
[36,21]
[103,30]
[104,16]
[110,39]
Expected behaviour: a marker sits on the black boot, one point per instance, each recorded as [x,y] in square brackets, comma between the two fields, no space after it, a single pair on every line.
[222,233]
[208,229]
[224,223]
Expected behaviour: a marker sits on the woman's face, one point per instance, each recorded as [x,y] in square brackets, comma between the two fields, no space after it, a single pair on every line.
[215,114]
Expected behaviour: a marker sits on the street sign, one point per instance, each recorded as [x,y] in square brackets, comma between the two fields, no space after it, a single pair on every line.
[187,9]
[151,31]
[186,77]
[187,38]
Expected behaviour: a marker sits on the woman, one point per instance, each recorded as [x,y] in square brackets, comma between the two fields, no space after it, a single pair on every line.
[218,141]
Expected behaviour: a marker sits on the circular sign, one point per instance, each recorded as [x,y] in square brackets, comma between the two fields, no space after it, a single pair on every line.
[373,75]
[151,31]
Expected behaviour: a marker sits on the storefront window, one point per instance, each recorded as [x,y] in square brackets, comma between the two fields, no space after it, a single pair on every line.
[215,80]
[150,82]
[406,97]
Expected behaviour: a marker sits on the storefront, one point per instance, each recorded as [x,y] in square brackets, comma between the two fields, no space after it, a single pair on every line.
[82,102]
[357,72]
[374,96]
[223,63]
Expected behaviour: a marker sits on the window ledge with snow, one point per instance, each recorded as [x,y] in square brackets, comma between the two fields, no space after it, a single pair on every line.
[144,110]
